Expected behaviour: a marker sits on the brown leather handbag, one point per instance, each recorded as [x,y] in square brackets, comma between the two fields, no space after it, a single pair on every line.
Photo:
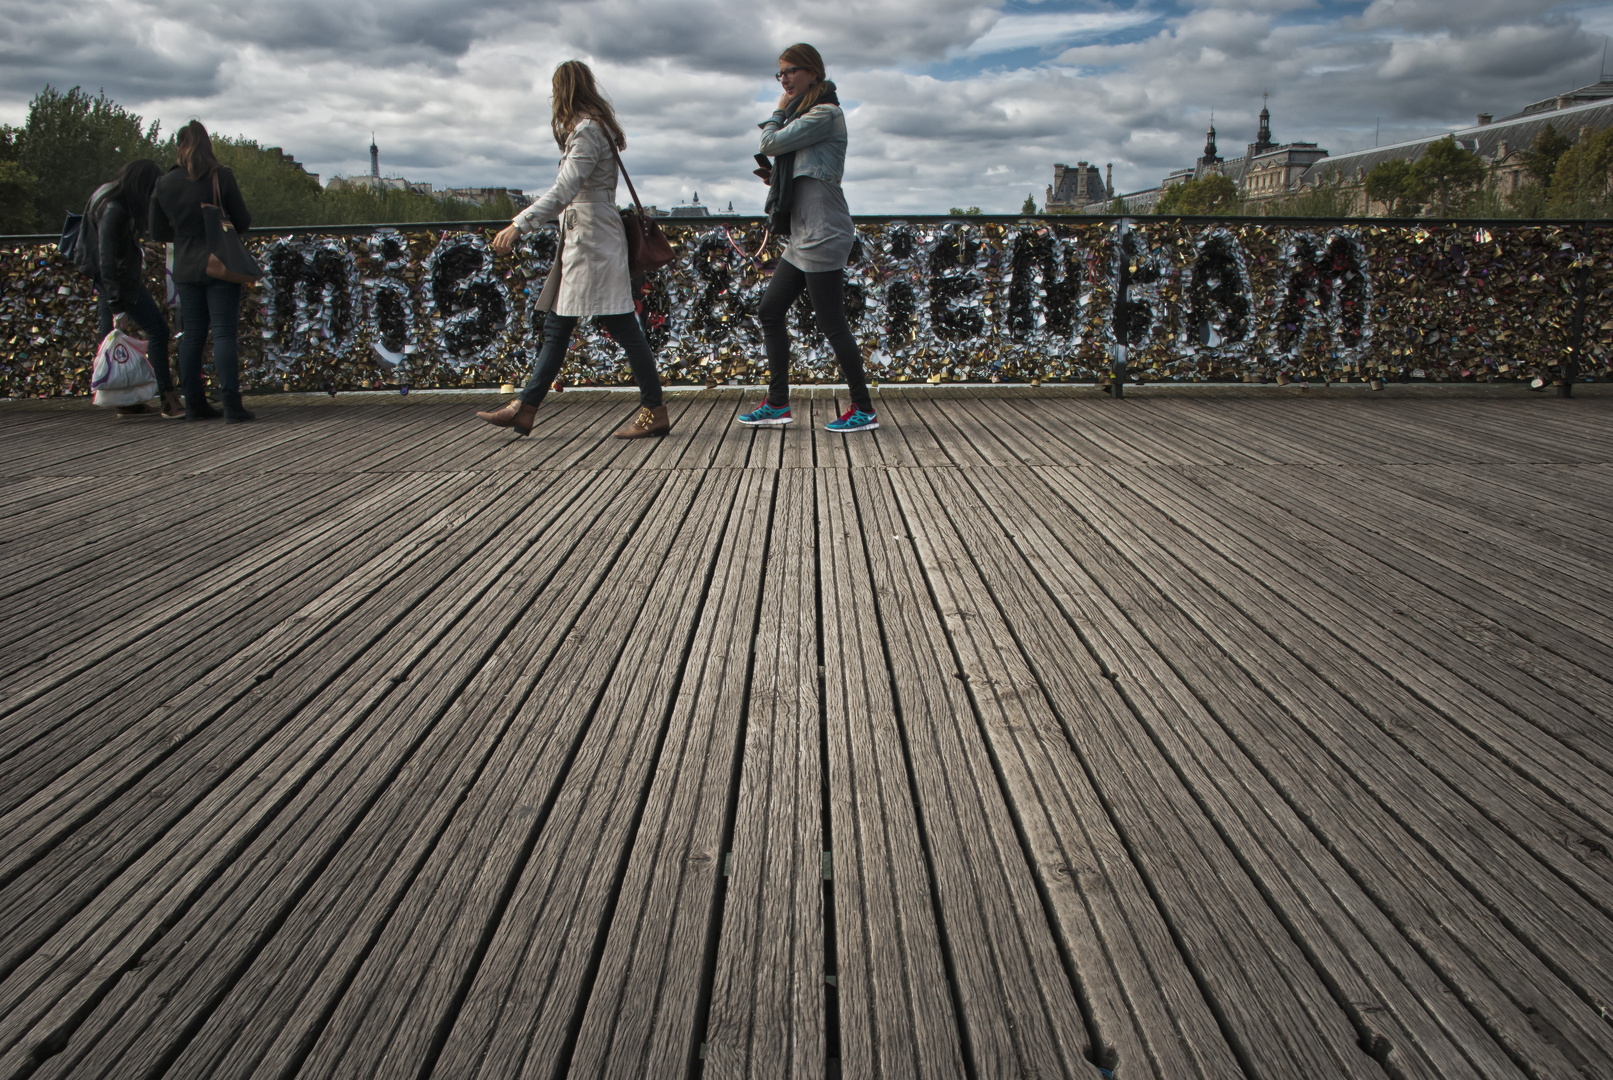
[647,246]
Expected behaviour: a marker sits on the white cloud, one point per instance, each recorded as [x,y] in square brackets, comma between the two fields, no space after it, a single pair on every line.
[457,93]
[1053,29]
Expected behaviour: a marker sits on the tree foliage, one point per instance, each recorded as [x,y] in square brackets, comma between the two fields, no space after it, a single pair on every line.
[1580,182]
[972,211]
[70,144]
[1395,184]
[1215,194]
[1447,170]
[1540,160]
[1030,205]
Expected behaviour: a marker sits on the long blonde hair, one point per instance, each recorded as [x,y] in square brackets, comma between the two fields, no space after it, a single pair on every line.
[577,98]
[805,56]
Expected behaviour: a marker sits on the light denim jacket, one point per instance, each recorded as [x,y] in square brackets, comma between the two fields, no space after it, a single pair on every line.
[818,137]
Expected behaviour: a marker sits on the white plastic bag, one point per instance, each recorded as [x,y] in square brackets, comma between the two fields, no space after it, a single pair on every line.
[122,374]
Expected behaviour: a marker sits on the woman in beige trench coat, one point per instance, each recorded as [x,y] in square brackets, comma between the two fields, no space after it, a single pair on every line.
[590,276]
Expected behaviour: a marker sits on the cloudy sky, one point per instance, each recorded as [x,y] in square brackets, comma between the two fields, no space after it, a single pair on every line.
[949,102]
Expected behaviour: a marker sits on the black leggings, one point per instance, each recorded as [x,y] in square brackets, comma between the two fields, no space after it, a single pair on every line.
[624,329]
[827,292]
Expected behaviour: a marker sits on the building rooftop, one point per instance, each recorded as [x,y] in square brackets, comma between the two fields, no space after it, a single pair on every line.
[1485,139]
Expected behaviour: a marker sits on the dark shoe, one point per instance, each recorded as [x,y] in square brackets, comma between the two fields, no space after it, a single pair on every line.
[517,415]
[173,404]
[197,408]
[135,411]
[646,422]
[234,411]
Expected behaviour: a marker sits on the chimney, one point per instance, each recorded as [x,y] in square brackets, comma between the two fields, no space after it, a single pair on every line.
[1501,150]
[1485,118]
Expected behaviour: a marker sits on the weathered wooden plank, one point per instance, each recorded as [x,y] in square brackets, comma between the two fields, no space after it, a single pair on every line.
[1016,999]
[922,445]
[1468,942]
[896,1004]
[1110,933]
[155,883]
[767,1014]
[1404,627]
[642,1011]
[1131,719]
[103,694]
[329,875]
[523,999]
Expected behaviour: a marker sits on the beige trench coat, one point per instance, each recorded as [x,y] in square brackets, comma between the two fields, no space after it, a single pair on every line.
[589,276]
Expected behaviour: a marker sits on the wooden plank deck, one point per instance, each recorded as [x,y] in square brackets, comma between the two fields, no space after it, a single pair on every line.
[1204,734]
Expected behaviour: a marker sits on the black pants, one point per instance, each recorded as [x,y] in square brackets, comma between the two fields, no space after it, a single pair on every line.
[203,306]
[827,293]
[148,316]
[624,329]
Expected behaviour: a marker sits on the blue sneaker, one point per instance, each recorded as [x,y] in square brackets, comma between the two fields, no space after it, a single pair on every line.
[853,419]
[765,415]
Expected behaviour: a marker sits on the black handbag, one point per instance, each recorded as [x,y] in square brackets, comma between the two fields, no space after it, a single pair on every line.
[227,257]
[647,246]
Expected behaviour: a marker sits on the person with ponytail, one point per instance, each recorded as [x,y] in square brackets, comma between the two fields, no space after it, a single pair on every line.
[589,277]
[119,212]
[205,303]
[806,138]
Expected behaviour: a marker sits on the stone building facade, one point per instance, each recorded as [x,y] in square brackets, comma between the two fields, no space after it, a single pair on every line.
[1501,144]
[1266,170]
[1078,189]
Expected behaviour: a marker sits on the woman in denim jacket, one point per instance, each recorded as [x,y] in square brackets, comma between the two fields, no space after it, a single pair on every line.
[589,276]
[806,137]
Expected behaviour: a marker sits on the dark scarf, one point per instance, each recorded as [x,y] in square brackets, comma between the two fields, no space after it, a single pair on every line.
[781,189]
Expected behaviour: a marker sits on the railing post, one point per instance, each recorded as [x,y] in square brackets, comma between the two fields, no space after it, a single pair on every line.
[1576,340]
[1117,373]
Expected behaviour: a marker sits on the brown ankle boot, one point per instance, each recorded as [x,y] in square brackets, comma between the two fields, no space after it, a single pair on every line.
[517,414]
[646,422]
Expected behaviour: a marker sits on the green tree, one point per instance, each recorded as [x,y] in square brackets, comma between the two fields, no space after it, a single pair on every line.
[1315,200]
[1215,194]
[276,191]
[959,212]
[72,143]
[1447,170]
[1030,205]
[18,187]
[1540,160]
[1579,183]
[1395,184]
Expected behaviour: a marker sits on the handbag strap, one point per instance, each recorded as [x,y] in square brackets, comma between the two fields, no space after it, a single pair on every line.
[617,155]
[218,200]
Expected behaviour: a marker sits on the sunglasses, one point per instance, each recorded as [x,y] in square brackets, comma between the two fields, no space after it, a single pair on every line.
[781,75]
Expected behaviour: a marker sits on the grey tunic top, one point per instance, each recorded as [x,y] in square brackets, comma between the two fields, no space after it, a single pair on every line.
[821,232]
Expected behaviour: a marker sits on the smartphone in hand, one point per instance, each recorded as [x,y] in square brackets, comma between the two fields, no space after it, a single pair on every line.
[766,167]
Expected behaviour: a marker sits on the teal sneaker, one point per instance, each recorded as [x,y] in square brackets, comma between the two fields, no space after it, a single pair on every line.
[765,415]
[853,419]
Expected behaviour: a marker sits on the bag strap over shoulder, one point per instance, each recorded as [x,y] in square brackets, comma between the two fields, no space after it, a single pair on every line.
[623,168]
[218,200]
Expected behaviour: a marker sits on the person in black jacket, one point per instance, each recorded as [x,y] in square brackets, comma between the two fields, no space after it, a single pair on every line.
[119,211]
[204,302]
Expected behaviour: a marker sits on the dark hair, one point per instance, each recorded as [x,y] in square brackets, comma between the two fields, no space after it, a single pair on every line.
[133,187]
[196,150]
